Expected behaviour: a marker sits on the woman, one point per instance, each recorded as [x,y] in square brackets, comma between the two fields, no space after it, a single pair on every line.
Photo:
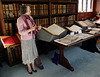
[27,29]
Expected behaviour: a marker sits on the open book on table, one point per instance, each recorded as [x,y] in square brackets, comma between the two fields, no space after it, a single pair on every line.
[51,33]
[54,29]
[74,28]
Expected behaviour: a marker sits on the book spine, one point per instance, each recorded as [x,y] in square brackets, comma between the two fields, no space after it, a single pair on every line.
[7,28]
[4,11]
[7,11]
[15,10]
[34,9]
[10,28]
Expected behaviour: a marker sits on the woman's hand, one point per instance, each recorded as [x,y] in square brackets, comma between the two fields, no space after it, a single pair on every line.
[39,27]
[32,28]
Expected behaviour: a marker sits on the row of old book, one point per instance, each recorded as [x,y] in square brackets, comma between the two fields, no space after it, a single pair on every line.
[11,28]
[44,22]
[38,9]
[65,20]
[12,10]
[60,9]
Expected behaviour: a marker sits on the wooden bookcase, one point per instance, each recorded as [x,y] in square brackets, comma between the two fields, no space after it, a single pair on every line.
[10,10]
[64,12]
[44,12]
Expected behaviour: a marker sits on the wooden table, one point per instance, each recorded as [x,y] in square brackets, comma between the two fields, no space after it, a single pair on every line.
[64,61]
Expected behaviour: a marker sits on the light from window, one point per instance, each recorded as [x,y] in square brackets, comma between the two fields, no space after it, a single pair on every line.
[80,6]
[85,5]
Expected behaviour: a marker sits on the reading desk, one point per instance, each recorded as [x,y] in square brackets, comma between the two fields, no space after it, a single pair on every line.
[13,53]
[64,61]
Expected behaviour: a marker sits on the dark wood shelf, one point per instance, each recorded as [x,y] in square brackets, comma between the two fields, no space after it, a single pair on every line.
[14,18]
[41,16]
[63,2]
[10,19]
[64,14]
[10,1]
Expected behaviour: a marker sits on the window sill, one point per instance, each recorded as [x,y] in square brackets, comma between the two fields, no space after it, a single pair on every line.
[85,12]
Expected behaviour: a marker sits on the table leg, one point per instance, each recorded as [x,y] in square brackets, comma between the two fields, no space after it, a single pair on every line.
[63,61]
[39,63]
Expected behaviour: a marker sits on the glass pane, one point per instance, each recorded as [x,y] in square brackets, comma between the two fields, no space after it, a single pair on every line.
[84,9]
[84,5]
[89,7]
[80,6]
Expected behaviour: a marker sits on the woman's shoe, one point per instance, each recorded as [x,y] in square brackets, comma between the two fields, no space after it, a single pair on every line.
[28,71]
[34,70]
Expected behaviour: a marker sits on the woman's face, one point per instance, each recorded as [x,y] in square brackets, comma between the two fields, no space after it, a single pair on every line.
[28,11]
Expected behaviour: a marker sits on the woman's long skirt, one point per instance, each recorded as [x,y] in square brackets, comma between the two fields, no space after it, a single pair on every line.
[29,51]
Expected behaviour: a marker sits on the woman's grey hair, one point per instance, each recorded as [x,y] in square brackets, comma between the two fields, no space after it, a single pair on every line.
[23,10]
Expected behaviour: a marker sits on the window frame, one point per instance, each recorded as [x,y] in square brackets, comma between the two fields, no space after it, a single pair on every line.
[91,6]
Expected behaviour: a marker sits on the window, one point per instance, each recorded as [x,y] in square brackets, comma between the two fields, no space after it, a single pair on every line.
[85,5]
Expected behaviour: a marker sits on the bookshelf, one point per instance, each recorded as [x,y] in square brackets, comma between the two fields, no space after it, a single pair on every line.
[64,12]
[44,12]
[10,10]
